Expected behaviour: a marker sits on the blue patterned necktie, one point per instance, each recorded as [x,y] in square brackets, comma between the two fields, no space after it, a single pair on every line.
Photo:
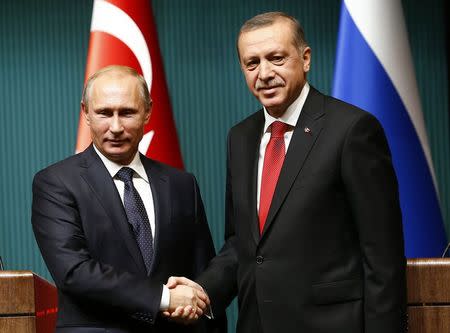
[137,216]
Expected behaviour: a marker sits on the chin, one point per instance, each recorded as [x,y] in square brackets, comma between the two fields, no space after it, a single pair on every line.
[117,153]
[271,102]
[121,159]
[272,106]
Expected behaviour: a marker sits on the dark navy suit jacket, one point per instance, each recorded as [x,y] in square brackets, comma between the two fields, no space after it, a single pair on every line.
[330,258]
[82,231]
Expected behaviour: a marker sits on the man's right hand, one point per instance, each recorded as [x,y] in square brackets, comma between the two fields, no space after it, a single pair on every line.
[187,303]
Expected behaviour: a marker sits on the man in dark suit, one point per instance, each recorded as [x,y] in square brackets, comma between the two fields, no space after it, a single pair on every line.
[313,225]
[113,225]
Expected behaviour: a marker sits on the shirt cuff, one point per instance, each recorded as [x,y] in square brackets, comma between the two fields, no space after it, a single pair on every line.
[165,299]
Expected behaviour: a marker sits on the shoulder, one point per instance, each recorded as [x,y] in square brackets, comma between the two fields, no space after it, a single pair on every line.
[64,167]
[339,111]
[353,124]
[333,107]
[250,125]
[58,177]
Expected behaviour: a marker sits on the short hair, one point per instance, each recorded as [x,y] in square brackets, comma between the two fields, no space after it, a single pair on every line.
[143,87]
[269,18]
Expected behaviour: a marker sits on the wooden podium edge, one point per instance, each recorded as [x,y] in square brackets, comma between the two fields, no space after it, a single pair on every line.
[27,300]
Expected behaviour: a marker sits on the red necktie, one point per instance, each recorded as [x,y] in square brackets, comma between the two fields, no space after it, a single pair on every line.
[273,161]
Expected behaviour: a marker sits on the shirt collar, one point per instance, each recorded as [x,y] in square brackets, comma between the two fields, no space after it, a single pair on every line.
[292,113]
[113,167]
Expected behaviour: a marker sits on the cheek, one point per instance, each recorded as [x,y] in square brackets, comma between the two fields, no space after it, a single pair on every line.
[99,125]
[134,127]
[293,75]
[250,79]
[248,75]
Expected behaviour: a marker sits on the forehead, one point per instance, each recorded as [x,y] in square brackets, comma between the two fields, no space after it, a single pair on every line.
[115,88]
[277,35]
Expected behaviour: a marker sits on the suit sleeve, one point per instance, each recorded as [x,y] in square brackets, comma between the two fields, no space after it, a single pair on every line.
[204,252]
[220,277]
[372,190]
[204,246]
[59,233]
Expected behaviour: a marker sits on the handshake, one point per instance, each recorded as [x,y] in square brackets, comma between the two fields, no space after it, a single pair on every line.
[188,301]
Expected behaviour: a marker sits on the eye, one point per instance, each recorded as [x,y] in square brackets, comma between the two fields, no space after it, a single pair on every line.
[251,64]
[278,60]
[128,112]
[104,112]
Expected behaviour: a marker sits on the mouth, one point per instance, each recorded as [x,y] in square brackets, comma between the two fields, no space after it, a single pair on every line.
[268,90]
[115,142]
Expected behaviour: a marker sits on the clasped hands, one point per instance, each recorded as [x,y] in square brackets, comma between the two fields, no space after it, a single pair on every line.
[188,300]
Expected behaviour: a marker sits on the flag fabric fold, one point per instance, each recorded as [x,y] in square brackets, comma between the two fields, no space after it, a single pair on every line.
[123,33]
[374,71]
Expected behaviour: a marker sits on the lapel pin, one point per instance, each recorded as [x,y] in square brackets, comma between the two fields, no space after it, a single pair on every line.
[307,130]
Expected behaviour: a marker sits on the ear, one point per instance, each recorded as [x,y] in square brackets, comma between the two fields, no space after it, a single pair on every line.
[306,55]
[148,113]
[85,111]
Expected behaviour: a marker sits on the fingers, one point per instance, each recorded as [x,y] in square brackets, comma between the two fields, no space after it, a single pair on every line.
[180,312]
[186,315]
[200,302]
[187,303]
[174,281]
[182,296]
[201,306]
[203,297]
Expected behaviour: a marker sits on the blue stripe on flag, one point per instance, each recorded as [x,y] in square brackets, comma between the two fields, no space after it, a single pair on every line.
[361,80]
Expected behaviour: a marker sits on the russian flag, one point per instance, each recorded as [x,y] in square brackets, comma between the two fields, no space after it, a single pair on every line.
[374,71]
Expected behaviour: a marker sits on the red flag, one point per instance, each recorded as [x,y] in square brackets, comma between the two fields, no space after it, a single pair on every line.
[123,33]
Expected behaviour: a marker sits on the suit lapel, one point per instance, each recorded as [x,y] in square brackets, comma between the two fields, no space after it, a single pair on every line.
[306,132]
[250,155]
[159,184]
[101,183]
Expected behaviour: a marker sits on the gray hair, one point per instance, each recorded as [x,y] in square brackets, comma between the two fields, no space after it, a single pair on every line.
[269,18]
[143,87]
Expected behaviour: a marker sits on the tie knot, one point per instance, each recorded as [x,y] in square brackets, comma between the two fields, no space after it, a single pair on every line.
[278,129]
[125,174]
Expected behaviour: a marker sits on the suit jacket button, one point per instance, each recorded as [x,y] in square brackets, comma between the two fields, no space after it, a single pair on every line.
[259,260]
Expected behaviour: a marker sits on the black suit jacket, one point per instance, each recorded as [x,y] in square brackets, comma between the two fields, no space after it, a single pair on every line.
[330,258]
[81,228]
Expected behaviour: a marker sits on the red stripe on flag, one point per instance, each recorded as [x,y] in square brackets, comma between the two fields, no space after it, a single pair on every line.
[106,50]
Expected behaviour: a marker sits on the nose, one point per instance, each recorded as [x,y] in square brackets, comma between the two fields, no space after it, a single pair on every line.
[265,71]
[116,126]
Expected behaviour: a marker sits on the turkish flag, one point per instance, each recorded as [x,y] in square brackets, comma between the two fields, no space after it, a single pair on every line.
[123,33]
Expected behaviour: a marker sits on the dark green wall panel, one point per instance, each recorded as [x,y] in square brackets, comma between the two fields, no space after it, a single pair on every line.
[43,47]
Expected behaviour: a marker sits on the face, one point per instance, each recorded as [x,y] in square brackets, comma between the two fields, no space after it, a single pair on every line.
[116,116]
[273,66]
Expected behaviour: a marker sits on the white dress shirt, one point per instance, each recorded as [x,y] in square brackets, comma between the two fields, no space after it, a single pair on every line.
[142,185]
[290,117]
